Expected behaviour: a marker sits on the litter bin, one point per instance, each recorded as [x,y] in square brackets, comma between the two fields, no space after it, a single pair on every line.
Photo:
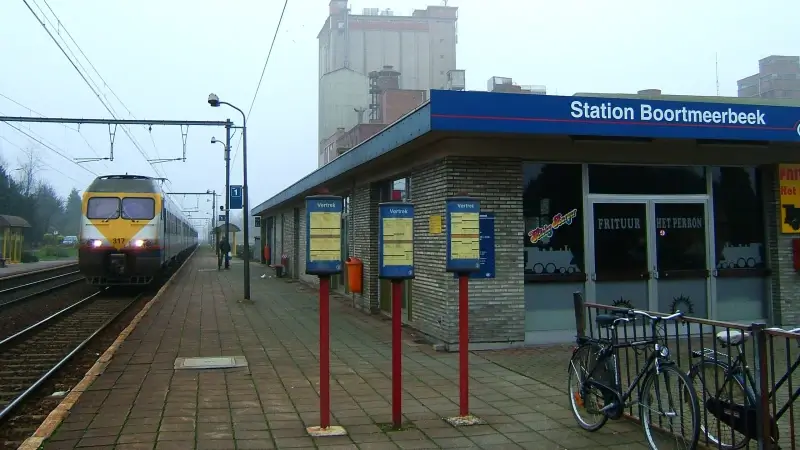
[355,270]
[283,267]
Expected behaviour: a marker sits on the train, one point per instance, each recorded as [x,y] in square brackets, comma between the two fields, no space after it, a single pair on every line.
[131,232]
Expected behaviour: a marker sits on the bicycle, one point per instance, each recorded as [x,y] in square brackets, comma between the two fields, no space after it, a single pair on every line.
[737,412]
[603,379]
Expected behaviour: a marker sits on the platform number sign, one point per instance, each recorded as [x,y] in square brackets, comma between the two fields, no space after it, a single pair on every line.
[236,197]
[257,221]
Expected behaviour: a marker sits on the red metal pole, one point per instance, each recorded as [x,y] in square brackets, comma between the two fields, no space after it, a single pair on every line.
[397,355]
[463,342]
[324,352]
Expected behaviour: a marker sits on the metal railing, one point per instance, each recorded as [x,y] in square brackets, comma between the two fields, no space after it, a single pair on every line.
[746,376]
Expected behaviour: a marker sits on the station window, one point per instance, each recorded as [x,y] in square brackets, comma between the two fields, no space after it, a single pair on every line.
[646,180]
[102,208]
[553,210]
[138,208]
[738,218]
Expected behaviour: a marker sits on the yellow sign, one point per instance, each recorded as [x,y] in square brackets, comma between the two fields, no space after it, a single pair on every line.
[789,179]
[398,241]
[325,231]
[435,225]
[465,235]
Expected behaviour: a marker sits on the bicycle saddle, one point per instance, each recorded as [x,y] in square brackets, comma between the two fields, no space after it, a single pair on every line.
[732,337]
[605,320]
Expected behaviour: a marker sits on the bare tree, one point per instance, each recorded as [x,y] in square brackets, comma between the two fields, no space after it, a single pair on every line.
[28,170]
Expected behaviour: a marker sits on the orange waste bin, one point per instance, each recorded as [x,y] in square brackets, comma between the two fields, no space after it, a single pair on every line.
[355,269]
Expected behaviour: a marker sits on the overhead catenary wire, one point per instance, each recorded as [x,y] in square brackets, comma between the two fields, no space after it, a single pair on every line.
[105,83]
[261,78]
[77,130]
[41,162]
[50,148]
[89,84]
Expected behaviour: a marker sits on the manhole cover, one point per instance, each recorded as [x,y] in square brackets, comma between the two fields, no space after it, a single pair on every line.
[215,362]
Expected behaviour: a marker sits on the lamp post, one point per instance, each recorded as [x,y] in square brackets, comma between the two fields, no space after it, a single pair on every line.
[213,213]
[214,101]
[227,154]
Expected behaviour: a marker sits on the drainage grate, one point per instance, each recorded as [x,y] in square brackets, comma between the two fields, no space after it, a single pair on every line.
[212,362]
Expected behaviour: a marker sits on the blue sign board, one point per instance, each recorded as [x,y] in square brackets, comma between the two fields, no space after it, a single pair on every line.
[486,244]
[221,218]
[323,235]
[236,197]
[490,112]
[462,234]
[396,240]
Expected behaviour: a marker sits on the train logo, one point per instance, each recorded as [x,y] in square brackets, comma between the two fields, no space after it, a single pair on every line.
[550,261]
[546,231]
[740,256]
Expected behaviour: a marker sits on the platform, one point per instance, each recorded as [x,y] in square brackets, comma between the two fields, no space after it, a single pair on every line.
[147,397]
[21,268]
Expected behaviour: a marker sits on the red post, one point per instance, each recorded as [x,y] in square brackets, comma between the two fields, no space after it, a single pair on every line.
[324,352]
[397,355]
[463,342]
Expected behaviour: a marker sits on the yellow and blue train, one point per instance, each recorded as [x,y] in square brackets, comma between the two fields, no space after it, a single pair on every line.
[130,231]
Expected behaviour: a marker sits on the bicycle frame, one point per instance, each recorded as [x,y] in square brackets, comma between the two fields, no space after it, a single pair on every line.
[610,349]
[740,369]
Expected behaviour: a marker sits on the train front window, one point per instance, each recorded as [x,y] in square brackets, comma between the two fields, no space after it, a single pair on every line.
[102,208]
[138,208]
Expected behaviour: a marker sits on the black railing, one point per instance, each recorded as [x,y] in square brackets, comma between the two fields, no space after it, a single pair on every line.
[746,376]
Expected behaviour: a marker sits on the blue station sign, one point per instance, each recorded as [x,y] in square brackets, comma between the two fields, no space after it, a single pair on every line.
[323,235]
[235,199]
[396,240]
[611,117]
[463,234]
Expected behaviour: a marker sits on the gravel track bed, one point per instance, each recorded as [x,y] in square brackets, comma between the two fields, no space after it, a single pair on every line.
[28,416]
[20,315]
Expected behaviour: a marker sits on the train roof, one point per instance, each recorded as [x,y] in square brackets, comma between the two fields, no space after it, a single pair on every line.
[125,183]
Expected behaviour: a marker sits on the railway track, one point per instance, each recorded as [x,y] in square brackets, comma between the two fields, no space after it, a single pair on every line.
[26,285]
[34,354]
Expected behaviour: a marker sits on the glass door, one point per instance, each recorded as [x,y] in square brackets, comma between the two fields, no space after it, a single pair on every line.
[680,268]
[620,257]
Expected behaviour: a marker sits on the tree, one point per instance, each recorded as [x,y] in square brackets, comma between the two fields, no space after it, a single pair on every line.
[72,214]
[29,168]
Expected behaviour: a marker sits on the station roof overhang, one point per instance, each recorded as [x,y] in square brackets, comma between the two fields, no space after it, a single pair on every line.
[465,114]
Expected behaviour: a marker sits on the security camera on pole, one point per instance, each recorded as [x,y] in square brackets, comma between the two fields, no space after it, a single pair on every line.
[215,102]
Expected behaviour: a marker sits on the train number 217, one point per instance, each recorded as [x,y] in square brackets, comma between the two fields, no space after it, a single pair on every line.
[118,240]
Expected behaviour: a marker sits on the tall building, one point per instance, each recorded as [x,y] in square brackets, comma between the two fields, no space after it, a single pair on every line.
[358,51]
[778,77]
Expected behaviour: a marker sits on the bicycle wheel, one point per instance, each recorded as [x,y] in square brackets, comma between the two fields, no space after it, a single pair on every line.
[708,378]
[664,395]
[585,400]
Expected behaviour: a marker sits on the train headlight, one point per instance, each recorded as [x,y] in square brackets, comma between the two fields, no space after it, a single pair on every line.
[138,243]
[97,243]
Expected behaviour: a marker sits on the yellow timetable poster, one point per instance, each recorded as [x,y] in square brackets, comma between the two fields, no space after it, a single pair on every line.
[325,231]
[398,241]
[465,235]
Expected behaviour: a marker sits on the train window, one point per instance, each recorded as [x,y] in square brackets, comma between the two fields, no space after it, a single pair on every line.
[102,208]
[138,208]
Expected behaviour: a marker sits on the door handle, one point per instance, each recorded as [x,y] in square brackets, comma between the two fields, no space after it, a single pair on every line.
[654,273]
[593,276]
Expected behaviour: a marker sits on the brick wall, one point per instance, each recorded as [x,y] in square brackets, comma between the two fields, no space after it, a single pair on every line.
[364,231]
[785,283]
[497,309]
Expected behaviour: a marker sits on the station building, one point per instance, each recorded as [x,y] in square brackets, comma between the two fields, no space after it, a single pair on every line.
[658,203]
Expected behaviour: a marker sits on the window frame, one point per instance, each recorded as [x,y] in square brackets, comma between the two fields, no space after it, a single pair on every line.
[119,208]
[122,208]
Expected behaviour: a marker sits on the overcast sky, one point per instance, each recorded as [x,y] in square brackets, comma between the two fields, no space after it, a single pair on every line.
[163,58]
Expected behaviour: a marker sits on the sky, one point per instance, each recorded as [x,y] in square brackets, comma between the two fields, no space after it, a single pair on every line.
[160,60]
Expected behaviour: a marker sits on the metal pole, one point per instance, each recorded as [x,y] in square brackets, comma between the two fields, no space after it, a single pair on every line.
[227,179]
[214,220]
[245,211]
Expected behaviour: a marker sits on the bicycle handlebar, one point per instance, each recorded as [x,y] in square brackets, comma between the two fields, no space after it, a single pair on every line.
[631,313]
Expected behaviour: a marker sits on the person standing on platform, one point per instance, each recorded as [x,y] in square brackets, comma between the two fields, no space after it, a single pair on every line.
[224,249]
